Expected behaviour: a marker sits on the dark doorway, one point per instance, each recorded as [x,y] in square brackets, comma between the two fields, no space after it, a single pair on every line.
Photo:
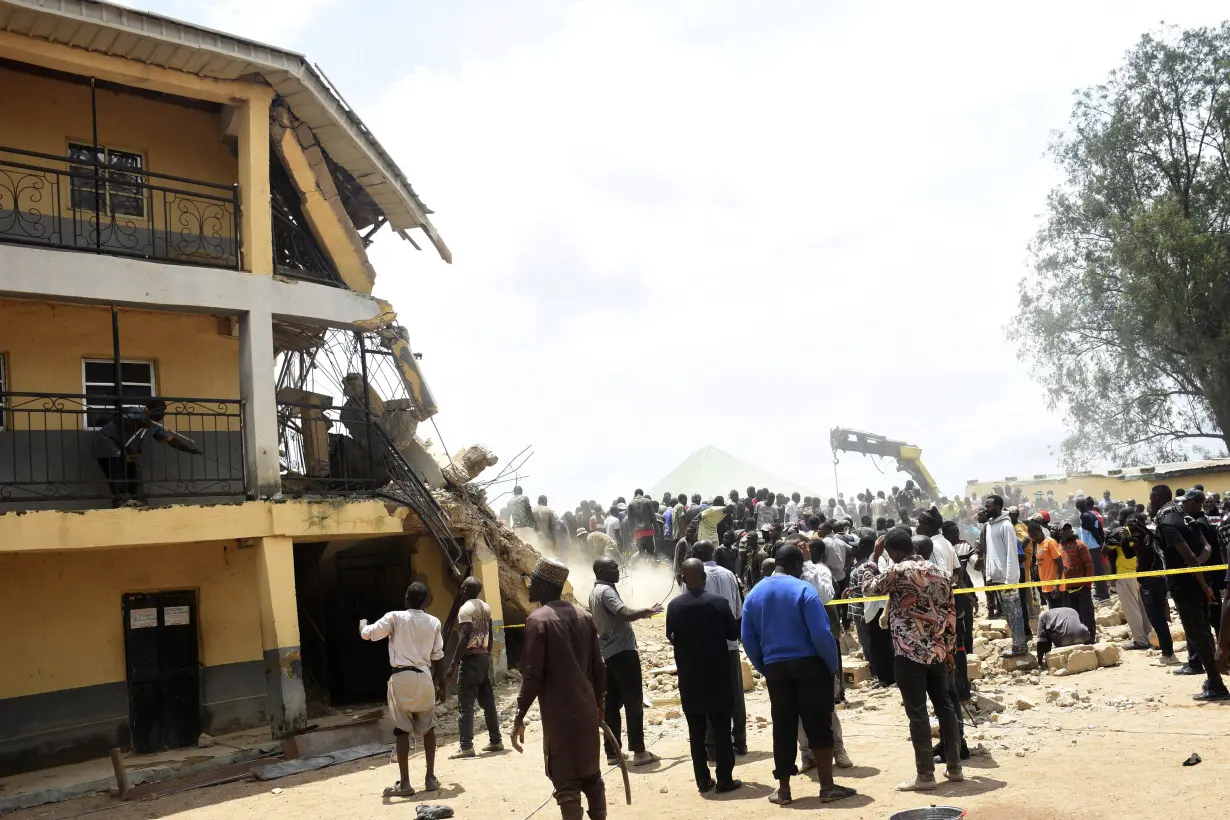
[371,580]
[337,585]
[163,669]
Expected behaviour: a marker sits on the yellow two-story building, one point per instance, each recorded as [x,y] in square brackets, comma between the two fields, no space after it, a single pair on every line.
[198,498]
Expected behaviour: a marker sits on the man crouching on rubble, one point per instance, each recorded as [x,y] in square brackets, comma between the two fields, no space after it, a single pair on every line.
[416,653]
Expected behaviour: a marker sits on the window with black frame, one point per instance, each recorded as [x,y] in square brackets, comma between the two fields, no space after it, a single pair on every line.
[120,190]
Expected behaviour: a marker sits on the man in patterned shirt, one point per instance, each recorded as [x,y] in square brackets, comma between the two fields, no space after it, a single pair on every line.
[923,624]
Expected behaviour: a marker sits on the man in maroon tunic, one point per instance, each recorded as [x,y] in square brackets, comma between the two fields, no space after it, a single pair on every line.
[561,667]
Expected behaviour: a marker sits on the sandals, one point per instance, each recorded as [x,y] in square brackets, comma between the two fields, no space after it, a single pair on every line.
[835,792]
[398,790]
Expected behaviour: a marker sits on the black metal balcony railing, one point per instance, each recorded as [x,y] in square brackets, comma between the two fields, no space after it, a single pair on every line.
[329,450]
[83,204]
[52,456]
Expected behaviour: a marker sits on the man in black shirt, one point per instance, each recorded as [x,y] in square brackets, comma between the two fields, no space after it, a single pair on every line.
[1184,546]
[1193,502]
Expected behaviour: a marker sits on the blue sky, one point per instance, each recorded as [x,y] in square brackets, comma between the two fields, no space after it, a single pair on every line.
[690,223]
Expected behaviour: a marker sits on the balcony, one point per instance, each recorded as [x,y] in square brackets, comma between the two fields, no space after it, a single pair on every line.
[54,448]
[84,203]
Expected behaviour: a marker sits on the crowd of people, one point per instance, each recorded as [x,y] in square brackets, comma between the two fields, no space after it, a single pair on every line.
[786,577]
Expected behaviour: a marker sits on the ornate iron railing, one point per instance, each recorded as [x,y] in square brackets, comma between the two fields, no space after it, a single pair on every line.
[295,253]
[61,451]
[84,204]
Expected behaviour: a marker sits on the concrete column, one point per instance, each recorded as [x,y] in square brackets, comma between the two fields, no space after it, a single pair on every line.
[487,569]
[256,222]
[260,410]
[275,582]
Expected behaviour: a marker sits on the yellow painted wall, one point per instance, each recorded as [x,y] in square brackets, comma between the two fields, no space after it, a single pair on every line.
[275,585]
[430,568]
[1120,489]
[44,343]
[174,139]
[62,611]
[303,520]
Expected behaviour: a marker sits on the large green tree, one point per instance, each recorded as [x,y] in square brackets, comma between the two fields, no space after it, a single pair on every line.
[1126,318]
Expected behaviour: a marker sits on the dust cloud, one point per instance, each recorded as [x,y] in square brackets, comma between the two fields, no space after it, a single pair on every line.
[641,584]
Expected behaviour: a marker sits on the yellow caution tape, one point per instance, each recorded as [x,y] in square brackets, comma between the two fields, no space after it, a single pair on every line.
[1022,585]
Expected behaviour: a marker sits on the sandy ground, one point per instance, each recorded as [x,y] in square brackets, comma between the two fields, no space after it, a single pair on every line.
[1098,758]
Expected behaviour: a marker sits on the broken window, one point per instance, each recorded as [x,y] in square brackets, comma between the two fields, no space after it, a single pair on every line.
[119,191]
[98,375]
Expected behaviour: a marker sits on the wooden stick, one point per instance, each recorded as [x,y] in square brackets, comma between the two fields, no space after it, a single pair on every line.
[121,777]
[623,764]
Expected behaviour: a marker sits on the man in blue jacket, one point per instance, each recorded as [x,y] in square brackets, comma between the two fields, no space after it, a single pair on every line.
[787,638]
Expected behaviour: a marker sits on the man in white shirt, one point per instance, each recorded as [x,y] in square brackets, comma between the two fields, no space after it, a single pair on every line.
[943,554]
[722,582]
[792,509]
[416,653]
[472,670]
[1002,568]
[879,506]
[611,525]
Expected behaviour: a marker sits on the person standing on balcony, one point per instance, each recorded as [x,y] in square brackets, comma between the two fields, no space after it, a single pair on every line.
[118,444]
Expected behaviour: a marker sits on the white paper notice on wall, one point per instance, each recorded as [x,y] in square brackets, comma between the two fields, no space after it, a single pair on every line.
[175,616]
[142,618]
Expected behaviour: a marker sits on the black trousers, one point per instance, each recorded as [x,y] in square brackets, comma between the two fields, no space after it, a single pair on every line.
[1214,619]
[1082,601]
[1024,594]
[474,686]
[623,690]
[799,689]
[965,645]
[880,654]
[917,682]
[739,715]
[124,479]
[716,724]
[1194,614]
[1153,595]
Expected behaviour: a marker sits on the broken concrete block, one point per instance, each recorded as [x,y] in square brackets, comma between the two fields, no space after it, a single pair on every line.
[973,667]
[1025,704]
[749,683]
[985,704]
[1082,660]
[1052,694]
[1019,663]
[856,672]
[1109,617]
[1108,654]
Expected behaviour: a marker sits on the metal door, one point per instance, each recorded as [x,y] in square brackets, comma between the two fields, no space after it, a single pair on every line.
[163,665]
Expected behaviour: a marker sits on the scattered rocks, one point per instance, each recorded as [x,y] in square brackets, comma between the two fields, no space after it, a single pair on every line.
[1052,695]
[205,741]
[673,714]
[1025,704]
[973,665]
[985,704]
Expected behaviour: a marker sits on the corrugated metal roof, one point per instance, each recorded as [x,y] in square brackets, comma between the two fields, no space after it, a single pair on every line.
[161,41]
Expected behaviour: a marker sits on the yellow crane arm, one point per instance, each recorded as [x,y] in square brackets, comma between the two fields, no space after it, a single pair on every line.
[908,456]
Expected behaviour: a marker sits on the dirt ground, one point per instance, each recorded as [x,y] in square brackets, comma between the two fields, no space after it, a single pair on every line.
[1114,749]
